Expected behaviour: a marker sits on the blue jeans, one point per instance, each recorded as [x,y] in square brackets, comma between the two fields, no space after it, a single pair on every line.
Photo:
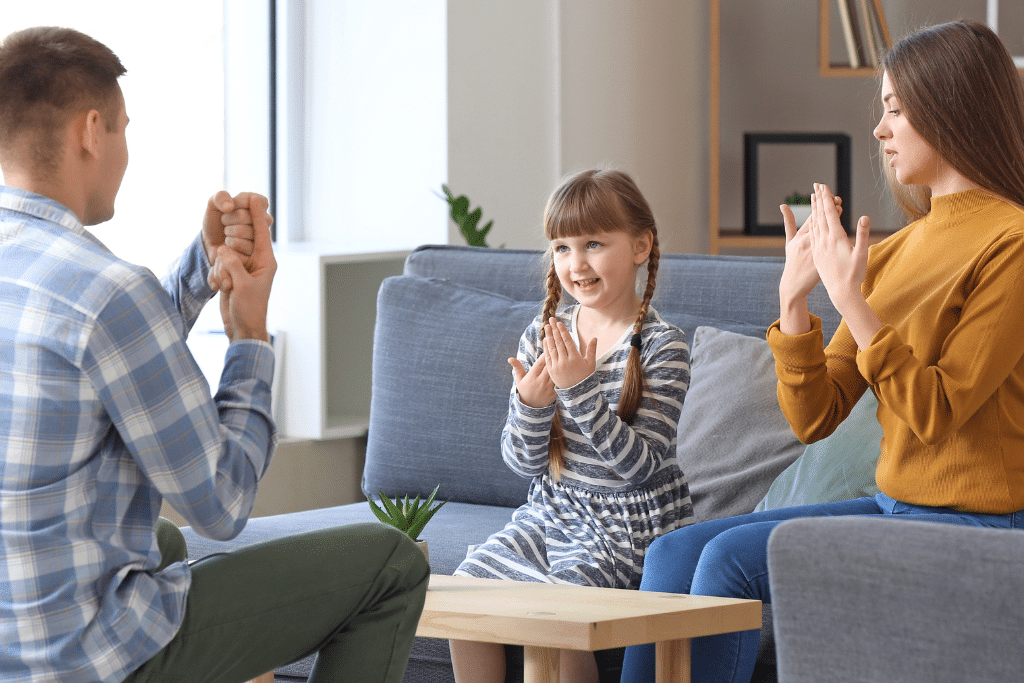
[729,558]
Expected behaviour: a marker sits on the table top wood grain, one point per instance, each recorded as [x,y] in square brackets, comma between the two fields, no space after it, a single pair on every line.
[574,617]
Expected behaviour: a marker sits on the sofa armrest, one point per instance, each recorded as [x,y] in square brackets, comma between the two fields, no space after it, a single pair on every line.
[871,599]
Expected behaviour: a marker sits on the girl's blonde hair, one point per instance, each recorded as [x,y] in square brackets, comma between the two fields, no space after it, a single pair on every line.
[586,203]
[958,87]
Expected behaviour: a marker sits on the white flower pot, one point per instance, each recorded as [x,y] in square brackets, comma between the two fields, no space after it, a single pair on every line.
[801,212]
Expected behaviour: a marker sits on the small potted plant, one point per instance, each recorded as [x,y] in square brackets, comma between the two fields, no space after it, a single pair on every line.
[466,219]
[800,205]
[409,516]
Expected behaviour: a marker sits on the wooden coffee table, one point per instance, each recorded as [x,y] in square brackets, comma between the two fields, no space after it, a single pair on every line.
[546,618]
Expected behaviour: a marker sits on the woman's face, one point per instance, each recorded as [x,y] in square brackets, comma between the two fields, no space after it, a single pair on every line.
[913,160]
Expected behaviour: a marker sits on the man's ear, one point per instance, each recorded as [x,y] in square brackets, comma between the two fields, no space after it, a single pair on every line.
[642,247]
[88,125]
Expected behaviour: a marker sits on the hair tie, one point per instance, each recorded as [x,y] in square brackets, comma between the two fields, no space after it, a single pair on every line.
[635,341]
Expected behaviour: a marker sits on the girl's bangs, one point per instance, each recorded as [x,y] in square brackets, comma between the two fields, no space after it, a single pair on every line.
[583,214]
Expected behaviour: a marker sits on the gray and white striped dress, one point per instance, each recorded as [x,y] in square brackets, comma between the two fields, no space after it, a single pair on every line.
[620,487]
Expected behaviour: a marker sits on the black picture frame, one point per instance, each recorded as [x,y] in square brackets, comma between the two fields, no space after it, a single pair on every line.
[751,142]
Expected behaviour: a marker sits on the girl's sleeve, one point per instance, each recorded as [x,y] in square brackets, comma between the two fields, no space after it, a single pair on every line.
[527,433]
[637,451]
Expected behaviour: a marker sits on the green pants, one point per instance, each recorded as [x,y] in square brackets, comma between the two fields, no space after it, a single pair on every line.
[351,594]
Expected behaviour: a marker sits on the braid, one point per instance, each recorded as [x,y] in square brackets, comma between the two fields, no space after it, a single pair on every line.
[633,382]
[556,444]
[587,203]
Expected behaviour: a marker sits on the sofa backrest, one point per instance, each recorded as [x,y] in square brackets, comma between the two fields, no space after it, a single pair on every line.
[446,327]
[743,290]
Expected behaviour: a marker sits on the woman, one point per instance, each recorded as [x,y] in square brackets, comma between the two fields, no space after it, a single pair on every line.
[933,324]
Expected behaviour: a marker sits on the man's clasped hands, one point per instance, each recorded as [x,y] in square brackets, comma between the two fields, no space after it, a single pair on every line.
[236,234]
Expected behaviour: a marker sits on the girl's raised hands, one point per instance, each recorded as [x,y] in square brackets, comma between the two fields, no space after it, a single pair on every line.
[535,387]
[566,365]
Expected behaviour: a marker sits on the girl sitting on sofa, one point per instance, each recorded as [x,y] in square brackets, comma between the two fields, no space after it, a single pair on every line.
[933,324]
[592,414]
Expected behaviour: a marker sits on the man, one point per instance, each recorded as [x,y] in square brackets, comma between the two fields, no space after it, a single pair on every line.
[104,415]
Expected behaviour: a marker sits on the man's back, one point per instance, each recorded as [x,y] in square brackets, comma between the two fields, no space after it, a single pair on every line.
[70,532]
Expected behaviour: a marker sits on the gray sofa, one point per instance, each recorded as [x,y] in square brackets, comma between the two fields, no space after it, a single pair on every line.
[440,389]
[862,599]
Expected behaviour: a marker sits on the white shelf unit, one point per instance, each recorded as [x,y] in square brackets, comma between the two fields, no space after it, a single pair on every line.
[325,305]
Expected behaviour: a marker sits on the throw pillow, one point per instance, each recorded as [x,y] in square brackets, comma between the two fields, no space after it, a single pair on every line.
[441,385]
[839,467]
[733,439]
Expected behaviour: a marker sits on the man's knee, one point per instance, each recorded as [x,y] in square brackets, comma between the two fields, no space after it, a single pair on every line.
[171,543]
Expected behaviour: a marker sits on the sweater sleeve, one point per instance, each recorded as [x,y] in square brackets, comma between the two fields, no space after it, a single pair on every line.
[817,388]
[976,358]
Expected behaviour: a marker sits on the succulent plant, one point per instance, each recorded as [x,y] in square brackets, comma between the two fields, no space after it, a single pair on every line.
[407,515]
[797,198]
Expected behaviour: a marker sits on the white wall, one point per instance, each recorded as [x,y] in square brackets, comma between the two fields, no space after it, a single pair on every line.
[362,123]
[542,88]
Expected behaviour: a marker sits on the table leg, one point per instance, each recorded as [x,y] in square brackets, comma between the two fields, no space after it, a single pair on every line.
[672,661]
[540,664]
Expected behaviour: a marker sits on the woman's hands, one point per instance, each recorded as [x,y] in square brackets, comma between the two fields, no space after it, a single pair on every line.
[800,275]
[561,365]
[841,266]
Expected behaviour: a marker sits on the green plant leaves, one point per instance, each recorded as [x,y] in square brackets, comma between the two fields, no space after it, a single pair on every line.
[410,516]
[467,220]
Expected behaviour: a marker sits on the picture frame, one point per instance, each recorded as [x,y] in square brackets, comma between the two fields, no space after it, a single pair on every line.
[752,142]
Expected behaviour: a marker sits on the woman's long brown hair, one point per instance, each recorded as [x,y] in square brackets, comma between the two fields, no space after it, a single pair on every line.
[589,202]
[958,87]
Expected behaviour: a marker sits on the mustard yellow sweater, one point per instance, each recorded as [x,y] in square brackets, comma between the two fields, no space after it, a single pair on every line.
[947,367]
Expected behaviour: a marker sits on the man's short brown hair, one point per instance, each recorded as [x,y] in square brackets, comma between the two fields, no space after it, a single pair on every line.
[47,75]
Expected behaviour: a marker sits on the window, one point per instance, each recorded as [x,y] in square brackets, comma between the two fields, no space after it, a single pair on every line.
[174,95]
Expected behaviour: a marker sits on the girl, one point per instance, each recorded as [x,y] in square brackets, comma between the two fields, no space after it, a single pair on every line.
[933,324]
[592,414]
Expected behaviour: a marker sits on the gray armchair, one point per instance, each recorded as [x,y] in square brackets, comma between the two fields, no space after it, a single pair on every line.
[866,599]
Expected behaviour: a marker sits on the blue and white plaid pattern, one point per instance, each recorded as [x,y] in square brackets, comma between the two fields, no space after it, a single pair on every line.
[103,415]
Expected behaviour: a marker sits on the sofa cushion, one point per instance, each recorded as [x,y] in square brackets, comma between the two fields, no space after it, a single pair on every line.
[839,467]
[733,438]
[454,340]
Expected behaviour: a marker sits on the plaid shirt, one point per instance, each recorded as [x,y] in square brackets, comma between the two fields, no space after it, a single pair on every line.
[103,415]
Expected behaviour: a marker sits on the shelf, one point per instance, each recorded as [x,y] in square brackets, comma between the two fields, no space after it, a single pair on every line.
[325,301]
[829,69]
[847,71]
[738,239]
[346,426]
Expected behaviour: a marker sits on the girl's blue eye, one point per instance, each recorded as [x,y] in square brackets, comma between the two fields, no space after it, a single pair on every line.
[593,244]
[894,112]
[561,249]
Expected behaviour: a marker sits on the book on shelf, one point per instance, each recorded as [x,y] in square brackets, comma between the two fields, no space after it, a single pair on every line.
[849,33]
[866,10]
[881,27]
[865,31]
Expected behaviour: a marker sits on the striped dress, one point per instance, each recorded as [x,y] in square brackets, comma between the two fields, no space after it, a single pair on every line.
[621,486]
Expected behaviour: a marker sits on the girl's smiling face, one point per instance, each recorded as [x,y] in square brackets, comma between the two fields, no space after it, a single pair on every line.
[599,269]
